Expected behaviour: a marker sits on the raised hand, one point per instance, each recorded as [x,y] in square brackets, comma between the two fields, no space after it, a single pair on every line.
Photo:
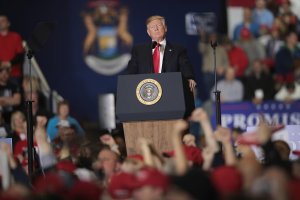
[180,126]
[223,135]
[108,140]
[41,121]
[189,140]
[198,115]
[263,133]
[40,131]
[7,150]
[208,155]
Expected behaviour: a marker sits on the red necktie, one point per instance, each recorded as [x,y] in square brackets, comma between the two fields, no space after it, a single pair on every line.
[156,58]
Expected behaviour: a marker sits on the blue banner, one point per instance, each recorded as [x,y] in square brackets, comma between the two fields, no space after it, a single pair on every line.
[247,114]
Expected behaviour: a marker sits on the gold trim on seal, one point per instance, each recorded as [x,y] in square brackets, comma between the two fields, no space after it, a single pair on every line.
[140,86]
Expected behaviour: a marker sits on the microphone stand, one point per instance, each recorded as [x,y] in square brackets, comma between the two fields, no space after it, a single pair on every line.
[218,158]
[37,40]
[217,92]
[28,107]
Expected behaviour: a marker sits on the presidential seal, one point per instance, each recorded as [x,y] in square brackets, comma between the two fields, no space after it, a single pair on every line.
[148,92]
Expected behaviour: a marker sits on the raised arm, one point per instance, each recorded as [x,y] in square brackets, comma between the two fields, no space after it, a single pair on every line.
[199,115]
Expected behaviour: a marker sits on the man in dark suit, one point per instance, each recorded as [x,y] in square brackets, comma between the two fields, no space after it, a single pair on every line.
[160,55]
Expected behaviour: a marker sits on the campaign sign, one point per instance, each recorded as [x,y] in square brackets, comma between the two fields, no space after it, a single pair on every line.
[247,114]
[196,22]
[290,134]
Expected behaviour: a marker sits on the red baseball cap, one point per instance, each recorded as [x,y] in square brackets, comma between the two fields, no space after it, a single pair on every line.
[245,33]
[248,139]
[264,26]
[121,185]
[227,179]
[66,165]
[85,190]
[138,157]
[192,153]
[50,183]
[251,138]
[283,1]
[151,177]
[296,152]
[294,189]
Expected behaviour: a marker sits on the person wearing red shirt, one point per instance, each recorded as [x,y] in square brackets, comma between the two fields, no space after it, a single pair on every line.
[237,58]
[11,49]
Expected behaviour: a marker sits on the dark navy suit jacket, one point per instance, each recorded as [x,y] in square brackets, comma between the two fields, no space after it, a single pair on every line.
[175,60]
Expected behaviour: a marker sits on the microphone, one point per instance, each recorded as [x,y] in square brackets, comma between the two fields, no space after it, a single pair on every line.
[154,43]
[213,44]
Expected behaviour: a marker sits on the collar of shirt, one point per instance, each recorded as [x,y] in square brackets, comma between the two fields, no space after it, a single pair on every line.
[162,44]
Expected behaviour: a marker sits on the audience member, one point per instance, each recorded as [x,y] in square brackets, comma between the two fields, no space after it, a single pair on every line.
[32,92]
[10,95]
[32,84]
[237,58]
[272,46]
[261,15]
[5,130]
[108,164]
[207,59]
[151,184]
[18,127]
[231,88]
[297,71]
[259,84]
[246,23]
[63,116]
[264,34]
[285,57]
[273,6]
[252,47]
[289,19]
[289,93]
[11,50]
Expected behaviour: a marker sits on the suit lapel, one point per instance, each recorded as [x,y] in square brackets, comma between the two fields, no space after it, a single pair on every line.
[149,58]
[167,56]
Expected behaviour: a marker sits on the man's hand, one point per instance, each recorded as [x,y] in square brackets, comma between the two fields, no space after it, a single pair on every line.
[208,156]
[263,133]
[41,121]
[180,126]
[189,140]
[4,147]
[108,140]
[199,115]
[223,135]
[40,131]
[6,64]
[192,84]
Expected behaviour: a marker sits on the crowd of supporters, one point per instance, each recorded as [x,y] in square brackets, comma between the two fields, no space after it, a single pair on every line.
[261,62]
[222,166]
[263,51]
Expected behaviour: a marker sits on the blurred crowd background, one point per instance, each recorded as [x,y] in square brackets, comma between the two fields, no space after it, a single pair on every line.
[258,60]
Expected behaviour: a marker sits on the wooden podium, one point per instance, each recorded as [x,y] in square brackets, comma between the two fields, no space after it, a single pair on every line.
[149,105]
[158,132]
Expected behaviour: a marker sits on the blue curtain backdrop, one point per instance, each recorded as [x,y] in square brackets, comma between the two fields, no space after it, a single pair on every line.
[61,59]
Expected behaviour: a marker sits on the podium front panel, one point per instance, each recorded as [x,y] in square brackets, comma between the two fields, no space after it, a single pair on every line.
[171,105]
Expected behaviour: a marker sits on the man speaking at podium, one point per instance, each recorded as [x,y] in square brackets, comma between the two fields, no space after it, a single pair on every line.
[160,55]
